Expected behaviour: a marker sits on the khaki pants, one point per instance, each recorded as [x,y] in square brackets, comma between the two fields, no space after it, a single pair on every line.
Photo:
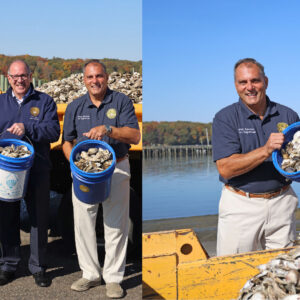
[116,227]
[250,224]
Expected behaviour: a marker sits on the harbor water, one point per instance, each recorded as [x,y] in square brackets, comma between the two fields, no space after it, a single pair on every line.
[175,187]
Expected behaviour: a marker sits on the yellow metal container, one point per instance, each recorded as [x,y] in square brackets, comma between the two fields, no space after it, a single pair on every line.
[61,108]
[176,266]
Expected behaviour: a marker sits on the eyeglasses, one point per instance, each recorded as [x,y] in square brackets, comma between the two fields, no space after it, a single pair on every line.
[16,77]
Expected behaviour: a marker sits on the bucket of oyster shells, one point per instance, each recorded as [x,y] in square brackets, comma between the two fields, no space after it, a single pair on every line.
[16,159]
[287,159]
[92,164]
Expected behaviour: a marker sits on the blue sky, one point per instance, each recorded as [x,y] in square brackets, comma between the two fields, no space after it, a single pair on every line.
[72,28]
[190,48]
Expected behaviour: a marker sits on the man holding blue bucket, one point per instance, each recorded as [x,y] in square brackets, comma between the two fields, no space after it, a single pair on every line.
[102,114]
[257,205]
[29,115]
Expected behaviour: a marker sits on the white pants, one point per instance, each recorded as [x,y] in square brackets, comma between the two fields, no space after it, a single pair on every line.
[116,227]
[250,224]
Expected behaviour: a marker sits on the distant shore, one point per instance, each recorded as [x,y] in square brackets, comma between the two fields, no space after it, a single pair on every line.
[205,228]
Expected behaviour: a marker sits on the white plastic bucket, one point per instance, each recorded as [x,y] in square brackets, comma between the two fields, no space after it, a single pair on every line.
[14,172]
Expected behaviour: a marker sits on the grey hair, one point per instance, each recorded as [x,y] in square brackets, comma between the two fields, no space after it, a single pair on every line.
[21,61]
[94,61]
[252,61]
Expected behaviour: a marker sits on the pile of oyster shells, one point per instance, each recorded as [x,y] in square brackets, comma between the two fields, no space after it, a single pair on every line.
[70,88]
[291,155]
[15,151]
[278,279]
[93,160]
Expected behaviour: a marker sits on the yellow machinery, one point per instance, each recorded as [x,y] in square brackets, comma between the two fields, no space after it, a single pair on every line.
[176,266]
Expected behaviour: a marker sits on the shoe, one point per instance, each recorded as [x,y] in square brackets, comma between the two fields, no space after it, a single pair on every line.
[6,277]
[114,290]
[41,279]
[83,284]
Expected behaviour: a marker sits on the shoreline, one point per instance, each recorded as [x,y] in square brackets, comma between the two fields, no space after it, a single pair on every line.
[205,228]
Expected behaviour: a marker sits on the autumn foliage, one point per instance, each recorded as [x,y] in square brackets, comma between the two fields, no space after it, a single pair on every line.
[58,68]
[175,133]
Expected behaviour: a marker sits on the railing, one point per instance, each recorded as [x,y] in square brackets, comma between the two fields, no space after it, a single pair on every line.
[4,85]
[175,151]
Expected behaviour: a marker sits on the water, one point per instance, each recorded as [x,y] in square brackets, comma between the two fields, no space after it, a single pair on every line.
[182,187]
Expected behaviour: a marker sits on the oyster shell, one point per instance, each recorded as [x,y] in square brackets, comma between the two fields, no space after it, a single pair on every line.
[278,279]
[70,88]
[15,151]
[291,155]
[93,160]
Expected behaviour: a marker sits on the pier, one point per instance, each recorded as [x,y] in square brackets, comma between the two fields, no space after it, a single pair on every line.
[175,151]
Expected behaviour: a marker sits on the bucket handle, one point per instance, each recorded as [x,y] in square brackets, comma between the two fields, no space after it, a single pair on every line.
[27,138]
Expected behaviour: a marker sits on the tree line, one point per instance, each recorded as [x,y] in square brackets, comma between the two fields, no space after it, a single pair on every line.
[58,68]
[176,133]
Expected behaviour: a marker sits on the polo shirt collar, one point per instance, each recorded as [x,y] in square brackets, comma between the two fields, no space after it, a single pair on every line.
[29,92]
[107,98]
[271,109]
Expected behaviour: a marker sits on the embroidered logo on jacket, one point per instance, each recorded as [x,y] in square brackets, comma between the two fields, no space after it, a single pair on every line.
[34,111]
[111,113]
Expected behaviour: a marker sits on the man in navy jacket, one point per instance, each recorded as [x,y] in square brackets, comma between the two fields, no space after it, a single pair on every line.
[29,115]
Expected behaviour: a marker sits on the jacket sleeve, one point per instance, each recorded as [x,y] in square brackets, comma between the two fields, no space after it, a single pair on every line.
[47,130]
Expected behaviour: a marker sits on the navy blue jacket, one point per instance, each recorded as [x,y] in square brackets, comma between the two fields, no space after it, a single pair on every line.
[38,113]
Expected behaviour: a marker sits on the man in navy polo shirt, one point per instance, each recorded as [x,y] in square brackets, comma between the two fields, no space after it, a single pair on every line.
[27,114]
[257,205]
[102,114]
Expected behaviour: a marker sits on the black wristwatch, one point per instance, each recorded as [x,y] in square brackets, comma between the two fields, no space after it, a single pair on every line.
[108,130]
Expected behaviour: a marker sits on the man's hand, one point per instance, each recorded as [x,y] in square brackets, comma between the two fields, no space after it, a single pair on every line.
[239,164]
[96,133]
[274,142]
[17,129]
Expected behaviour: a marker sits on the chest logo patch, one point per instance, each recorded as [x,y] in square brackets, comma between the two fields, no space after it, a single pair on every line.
[34,111]
[281,126]
[111,113]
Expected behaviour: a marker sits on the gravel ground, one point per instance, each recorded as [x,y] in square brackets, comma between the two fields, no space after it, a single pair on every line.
[63,268]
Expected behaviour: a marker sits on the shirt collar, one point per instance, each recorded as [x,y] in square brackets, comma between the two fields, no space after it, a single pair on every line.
[30,90]
[107,98]
[24,97]
[271,109]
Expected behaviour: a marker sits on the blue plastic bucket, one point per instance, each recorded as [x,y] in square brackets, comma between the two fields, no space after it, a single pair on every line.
[14,172]
[277,157]
[91,188]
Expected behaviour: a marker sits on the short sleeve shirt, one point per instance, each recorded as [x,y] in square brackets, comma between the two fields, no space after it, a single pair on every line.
[115,110]
[238,130]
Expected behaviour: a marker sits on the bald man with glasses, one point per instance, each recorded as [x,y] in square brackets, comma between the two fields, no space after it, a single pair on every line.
[27,114]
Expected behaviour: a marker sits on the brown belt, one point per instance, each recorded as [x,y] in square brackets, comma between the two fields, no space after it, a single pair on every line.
[262,195]
[122,158]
